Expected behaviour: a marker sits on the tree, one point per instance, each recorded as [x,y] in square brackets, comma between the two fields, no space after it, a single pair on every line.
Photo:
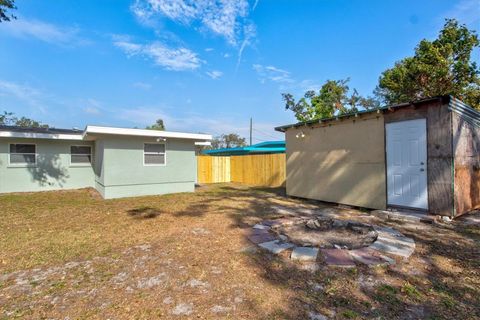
[6,5]
[439,67]
[231,140]
[8,119]
[26,122]
[159,125]
[334,97]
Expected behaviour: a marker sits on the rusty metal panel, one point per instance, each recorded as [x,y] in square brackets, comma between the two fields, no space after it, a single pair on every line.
[466,146]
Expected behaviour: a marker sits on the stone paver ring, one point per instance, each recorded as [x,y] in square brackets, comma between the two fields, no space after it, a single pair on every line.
[340,242]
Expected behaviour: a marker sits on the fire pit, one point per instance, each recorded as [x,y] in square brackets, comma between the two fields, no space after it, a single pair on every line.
[341,243]
[327,233]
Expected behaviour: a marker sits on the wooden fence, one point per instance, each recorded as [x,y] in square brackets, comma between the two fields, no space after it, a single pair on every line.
[257,170]
[213,169]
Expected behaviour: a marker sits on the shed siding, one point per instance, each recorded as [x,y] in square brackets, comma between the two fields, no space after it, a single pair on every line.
[343,162]
[439,152]
[52,171]
[466,146]
[123,173]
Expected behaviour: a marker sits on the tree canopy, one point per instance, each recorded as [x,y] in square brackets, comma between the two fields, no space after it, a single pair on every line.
[230,140]
[439,67]
[158,125]
[6,5]
[9,119]
[334,97]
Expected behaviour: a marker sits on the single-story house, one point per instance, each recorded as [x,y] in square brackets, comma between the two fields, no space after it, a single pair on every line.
[118,162]
[267,147]
[423,155]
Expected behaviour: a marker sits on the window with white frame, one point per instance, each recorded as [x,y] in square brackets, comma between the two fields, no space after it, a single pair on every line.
[23,154]
[80,155]
[154,154]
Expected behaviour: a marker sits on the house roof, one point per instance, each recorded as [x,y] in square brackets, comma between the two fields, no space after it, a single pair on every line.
[40,133]
[91,132]
[40,130]
[95,130]
[455,105]
[263,147]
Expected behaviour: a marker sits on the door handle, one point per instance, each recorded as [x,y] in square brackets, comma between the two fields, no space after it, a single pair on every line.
[421,163]
[421,169]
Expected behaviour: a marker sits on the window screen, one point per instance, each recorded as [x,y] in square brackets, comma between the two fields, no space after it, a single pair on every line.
[23,154]
[80,154]
[154,154]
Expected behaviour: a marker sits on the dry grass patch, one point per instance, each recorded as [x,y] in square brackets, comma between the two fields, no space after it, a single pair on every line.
[74,254]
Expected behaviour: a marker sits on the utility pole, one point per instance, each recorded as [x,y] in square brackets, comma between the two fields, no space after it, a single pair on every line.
[250,131]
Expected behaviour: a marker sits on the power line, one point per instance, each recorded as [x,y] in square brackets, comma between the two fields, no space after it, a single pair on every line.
[265,134]
[261,140]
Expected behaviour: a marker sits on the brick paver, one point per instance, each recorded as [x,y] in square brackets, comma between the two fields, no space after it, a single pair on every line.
[337,257]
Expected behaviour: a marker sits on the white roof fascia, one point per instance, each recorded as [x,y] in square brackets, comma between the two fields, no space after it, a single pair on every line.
[36,135]
[203,143]
[145,133]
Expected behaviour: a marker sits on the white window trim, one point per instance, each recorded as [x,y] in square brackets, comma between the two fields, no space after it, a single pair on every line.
[78,154]
[164,154]
[22,165]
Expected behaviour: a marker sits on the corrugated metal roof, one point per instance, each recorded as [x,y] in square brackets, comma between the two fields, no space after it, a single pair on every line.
[470,115]
[263,147]
[355,114]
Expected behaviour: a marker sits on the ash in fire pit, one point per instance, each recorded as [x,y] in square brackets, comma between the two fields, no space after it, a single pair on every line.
[328,233]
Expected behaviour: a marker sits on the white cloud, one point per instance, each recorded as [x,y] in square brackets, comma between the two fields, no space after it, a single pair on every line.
[255,5]
[225,18]
[250,32]
[175,59]
[215,74]
[222,17]
[143,116]
[142,85]
[284,79]
[46,32]
[177,10]
[272,73]
[466,11]
[93,107]
[129,48]
[209,49]
[22,92]
[91,110]
[307,85]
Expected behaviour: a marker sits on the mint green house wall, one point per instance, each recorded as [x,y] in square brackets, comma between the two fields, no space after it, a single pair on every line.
[52,171]
[98,167]
[122,173]
[117,170]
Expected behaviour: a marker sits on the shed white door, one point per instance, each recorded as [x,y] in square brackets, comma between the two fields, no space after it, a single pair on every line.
[407,163]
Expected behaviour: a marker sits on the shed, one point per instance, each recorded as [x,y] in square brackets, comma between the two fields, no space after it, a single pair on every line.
[423,155]
[267,147]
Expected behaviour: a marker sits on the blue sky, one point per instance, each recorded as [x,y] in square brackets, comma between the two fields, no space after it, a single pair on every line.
[202,66]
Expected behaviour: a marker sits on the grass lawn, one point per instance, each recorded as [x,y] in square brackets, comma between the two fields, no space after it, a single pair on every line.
[186,256]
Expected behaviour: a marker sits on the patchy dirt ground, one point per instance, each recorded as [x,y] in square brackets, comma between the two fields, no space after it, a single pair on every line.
[71,255]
